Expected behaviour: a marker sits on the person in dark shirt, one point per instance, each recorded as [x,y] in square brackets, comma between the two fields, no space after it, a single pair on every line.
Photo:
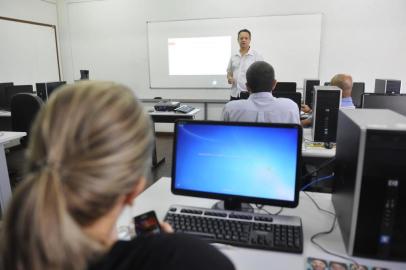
[89,150]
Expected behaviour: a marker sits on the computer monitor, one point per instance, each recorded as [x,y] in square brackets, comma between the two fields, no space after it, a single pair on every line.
[11,91]
[3,94]
[296,97]
[285,87]
[395,102]
[308,90]
[237,162]
[44,90]
[358,88]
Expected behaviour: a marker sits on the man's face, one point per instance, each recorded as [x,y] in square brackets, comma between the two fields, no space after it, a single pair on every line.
[336,266]
[244,40]
[318,265]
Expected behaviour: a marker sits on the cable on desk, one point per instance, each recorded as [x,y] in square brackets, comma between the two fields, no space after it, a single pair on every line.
[319,234]
[319,168]
[260,207]
[328,177]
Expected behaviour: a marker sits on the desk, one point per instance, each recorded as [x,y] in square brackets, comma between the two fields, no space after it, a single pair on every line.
[309,150]
[5,187]
[5,113]
[205,102]
[158,197]
[5,120]
[167,117]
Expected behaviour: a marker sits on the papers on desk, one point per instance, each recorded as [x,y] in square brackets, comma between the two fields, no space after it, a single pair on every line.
[322,264]
[316,145]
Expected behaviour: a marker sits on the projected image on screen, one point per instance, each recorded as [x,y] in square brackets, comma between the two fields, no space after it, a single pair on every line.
[199,55]
[237,160]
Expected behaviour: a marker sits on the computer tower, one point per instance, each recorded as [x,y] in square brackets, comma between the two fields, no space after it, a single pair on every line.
[326,103]
[369,191]
[308,89]
[387,86]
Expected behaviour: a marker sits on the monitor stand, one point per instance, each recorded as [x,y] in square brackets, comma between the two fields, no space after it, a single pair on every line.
[233,205]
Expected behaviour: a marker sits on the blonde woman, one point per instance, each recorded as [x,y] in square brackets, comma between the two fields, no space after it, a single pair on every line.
[89,150]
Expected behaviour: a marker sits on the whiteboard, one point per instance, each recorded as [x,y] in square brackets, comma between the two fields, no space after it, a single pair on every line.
[28,52]
[290,43]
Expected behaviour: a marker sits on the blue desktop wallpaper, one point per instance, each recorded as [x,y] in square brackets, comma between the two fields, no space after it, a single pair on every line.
[237,160]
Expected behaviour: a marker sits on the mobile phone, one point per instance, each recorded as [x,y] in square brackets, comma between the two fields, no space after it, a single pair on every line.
[146,224]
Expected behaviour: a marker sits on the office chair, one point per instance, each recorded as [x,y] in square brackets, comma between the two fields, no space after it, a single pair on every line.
[24,108]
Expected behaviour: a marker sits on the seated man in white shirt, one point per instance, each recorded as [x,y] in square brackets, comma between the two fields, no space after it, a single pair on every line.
[261,106]
[344,82]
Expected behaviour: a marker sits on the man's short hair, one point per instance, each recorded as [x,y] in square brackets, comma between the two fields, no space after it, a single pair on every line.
[342,81]
[244,30]
[260,77]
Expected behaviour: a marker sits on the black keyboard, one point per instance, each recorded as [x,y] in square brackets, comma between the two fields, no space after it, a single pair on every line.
[261,231]
[184,109]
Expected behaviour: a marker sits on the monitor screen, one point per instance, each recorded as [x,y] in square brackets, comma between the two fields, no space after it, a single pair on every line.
[11,91]
[44,90]
[395,102]
[308,91]
[247,162]
[3,95]
[285,87]
[358,89]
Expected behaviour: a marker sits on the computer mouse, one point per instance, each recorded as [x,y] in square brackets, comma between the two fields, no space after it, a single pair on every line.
[328,145]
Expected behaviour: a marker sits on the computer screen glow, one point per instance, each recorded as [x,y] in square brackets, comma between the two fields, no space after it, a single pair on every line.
[249,161]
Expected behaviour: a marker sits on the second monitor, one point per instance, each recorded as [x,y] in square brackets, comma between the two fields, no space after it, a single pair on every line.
[237,162]
[44,90]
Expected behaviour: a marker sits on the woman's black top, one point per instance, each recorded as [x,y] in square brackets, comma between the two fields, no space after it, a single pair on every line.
[163,251]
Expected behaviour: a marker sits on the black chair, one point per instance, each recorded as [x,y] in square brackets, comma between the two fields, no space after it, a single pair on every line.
[24,108]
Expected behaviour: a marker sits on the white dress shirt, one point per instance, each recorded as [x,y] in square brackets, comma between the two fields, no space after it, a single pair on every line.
[238,65]
[262,107]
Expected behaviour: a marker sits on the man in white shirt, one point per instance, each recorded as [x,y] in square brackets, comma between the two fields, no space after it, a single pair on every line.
[261,106]
[239,63]
[344,82]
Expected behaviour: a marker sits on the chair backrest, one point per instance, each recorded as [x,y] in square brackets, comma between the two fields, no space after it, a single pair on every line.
[24,107]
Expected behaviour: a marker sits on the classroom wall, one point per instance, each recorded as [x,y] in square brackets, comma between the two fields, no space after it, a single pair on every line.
[28,52]
[365,38]
[31,10]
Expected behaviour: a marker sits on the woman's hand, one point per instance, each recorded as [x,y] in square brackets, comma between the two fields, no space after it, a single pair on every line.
[166,227]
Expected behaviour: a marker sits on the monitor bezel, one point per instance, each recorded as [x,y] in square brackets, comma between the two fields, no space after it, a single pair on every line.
[377,95]
[242,199]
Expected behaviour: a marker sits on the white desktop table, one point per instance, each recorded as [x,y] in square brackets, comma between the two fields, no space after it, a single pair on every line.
[158,197]
[5,113]
[171,116]
[310,149]
[6,137]
[167,117]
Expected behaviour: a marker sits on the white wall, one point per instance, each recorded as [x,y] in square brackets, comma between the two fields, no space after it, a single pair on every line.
[28,53]
[366,38]
[30,10]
